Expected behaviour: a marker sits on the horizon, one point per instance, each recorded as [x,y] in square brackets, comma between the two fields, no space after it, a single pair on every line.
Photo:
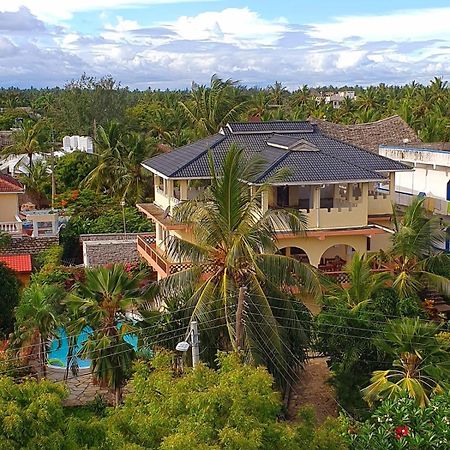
[167,44]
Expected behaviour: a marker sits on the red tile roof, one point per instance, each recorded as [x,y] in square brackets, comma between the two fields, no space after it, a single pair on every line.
[10,184]
[18,263]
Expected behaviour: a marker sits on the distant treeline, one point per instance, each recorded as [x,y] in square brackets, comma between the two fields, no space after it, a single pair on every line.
[177,117]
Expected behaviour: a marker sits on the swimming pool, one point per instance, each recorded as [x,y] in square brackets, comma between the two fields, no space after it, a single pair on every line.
[59,348]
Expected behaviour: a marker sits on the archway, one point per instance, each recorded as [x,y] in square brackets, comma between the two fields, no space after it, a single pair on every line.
[335,257]
[295,252]
[448,190]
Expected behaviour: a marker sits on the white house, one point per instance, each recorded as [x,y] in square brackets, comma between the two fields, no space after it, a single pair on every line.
[83,143]
[430,177]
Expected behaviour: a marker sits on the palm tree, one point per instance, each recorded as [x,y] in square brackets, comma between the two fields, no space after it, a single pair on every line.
[234,246]
[210,108]
[37,318]
[36,180]
[29,139]
[102,302]
[363,283]
[421,365]
[131,179]
[413,258]
[107,141]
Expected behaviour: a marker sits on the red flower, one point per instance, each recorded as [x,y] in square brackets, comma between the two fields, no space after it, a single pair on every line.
[401,431]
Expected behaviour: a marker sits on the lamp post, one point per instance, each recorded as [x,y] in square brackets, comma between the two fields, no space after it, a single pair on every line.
[122,204]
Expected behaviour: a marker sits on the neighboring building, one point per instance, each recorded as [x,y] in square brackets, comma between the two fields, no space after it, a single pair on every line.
[82,143]
[10,189]
[336,98]
[430,177]
[109,248]
[335,184]
[20,264]
[390,131]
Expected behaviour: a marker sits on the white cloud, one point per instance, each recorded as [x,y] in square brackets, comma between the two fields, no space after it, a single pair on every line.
[235,42]
[417,24]
[56,10]
[232,25]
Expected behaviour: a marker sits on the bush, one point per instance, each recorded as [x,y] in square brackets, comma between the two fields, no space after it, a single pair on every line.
[31,415]
[232,408]
[401,424]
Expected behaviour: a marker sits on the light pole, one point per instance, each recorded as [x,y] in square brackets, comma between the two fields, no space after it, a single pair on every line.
[122,204]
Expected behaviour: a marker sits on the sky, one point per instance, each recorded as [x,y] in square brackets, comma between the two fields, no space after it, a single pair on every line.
[170,43]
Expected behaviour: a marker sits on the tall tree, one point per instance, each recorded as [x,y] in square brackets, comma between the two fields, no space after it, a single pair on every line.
[30,138]
[37,319]
[209,108]
[102,301]
[234,248]
[414,258]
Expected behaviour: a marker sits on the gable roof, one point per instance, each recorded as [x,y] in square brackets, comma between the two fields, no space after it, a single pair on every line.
[390,131]
[10,184]
[323,159]
[18,263]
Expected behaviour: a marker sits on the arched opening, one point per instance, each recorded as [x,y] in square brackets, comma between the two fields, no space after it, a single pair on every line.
[448,191]
[336,257]
[295,252]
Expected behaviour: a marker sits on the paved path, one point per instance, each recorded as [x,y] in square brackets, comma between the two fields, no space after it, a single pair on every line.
[82,390]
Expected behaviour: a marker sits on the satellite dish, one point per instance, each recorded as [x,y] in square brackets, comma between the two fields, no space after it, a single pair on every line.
[182,346]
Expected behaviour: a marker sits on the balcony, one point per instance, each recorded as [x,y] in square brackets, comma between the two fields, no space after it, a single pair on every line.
[160,262]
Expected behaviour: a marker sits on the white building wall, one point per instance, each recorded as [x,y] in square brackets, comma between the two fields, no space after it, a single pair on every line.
[431,171]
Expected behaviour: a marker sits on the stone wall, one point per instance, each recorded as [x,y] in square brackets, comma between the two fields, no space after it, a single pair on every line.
[23,245]
[103,249]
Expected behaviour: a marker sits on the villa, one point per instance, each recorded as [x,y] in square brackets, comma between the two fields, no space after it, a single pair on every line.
[335,184]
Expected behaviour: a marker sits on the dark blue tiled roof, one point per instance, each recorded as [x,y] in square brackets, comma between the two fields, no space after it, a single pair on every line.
[333,160]
[277,126]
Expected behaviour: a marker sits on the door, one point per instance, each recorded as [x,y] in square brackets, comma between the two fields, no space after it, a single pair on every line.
[283,196]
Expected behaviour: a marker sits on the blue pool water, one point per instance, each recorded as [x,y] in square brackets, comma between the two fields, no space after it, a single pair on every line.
[59,347]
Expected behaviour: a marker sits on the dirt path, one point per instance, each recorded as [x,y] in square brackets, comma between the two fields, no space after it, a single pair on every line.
[314,390]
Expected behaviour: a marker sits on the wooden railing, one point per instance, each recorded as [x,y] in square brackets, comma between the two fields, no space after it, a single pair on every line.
[147,244]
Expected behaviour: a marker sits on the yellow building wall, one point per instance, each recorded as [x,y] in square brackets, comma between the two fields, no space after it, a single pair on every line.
[9,207]
[315,247]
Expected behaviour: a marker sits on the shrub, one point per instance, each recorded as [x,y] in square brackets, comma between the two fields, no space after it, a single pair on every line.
[401,424]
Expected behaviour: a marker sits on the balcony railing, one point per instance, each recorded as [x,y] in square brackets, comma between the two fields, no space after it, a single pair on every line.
[160,262]
[11,227]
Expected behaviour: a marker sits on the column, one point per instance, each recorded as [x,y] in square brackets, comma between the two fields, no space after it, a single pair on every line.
[392,186]
[350,192]
[183,189]
[55,224]
[264,201]
[316,204]
[365,202]
[35,232]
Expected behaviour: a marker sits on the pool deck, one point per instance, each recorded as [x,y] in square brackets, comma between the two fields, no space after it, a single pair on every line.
[81,388]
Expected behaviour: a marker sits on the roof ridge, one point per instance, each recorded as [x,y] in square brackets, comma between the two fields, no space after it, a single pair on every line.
[274,164]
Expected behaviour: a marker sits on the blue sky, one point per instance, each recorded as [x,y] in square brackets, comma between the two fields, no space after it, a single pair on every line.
[170,43]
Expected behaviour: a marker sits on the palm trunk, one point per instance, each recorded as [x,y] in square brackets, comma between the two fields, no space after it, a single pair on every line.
[117,396]
[30,157]
[44,359]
